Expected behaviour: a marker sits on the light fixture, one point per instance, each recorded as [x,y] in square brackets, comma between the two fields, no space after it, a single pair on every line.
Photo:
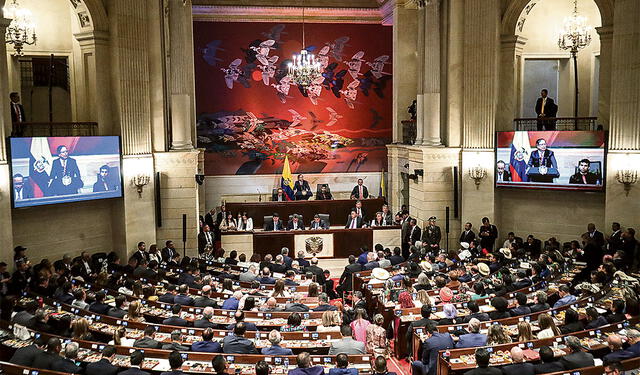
[140,181]
[627,177]
[22,29]
[304,68]
[477,174]
[575,36]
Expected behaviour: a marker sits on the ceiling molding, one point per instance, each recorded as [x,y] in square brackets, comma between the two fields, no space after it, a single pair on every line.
[381,13]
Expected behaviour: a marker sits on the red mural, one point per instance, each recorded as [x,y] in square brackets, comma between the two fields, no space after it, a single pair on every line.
[251,114]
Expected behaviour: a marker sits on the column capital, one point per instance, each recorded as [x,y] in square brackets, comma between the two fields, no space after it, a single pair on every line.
[516,42]
[91,38]
[605,32]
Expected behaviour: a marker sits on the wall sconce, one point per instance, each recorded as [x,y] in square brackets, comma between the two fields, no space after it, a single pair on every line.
[477,174]
[627,177]
[199,179]
[419,172]
[139,182]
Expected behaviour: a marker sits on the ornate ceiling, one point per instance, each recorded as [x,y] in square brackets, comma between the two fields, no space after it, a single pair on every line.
[294,3]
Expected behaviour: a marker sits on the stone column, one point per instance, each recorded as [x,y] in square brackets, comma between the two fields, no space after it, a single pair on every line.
[604,90]
[421,50]
[511,47]
[6,226]
[454,74]
[405,36]
[95,98]
[182,74]
[431,76]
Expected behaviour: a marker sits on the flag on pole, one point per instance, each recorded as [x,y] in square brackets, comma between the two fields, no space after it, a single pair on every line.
[40,164]
[520,153]
[383,190]
[286,181]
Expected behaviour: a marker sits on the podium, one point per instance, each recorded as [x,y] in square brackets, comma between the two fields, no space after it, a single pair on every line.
[535,175]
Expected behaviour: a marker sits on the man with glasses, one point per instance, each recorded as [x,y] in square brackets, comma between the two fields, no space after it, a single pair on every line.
[65,174]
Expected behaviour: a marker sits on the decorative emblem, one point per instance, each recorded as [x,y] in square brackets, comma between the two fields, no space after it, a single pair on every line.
[313,245]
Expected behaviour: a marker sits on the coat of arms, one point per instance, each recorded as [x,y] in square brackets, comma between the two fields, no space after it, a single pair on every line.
[313,245]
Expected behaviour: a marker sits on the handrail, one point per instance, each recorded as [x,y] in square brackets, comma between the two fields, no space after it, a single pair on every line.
[556,123]
[54,129]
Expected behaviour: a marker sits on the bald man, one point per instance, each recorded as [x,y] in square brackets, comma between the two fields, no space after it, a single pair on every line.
[519,366]
[617,354]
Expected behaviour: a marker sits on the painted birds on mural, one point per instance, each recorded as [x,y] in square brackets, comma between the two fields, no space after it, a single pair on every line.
[209,53]
[296,118]
[351,93]
[252,122]
[333,116]
[376,118]
[282,88]
[268,71]
[314,90]
[334,81]
[358,161]
[262,51]
[322,57]
[355,64]
[275,33]
[232,73]
[337,47]
[315,121]
[377,66]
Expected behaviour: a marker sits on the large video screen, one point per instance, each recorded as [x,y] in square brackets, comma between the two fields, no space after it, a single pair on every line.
[48,170]
[567,160]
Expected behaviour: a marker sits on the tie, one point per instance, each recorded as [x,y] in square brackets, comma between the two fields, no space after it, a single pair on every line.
[208,234]
[359,213]
[360,192]
[18,194]
[584,179]
[18,113]
[353,223]
[544,101]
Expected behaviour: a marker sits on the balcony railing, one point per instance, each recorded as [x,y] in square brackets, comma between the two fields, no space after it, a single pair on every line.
[54,129]
[408,132]
[557,123]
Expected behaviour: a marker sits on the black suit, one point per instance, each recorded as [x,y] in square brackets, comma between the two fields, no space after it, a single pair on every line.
[577,360]
[271,226]
[300,225]
[326,196]
[550,110]
[203,241]
[25,356]
[615,242]
[167,254]
[238,345]
[412,235]
[45,360]
[66,365]
[356,192]
[467,236]
[358,220]
[25,193]
[58,172]
[547,367]
[506,176]
[15,116]
[175,321]
[105,184]
[133,371]
[591,178]
[484,371]
[524,368]
[597,237]
[346,280]
[319,225]
[302,192]
[102,367]
[317,272]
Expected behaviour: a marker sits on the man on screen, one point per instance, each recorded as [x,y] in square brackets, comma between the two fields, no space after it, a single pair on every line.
[20,189]
[502,175]
[584,175]
[65,175]
[104,182]
[543,159]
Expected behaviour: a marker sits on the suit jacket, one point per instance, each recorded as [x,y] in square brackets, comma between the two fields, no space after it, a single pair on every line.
[14,113]
[205,302]
[540,307]
[591,178]
[146,342]
[300,225]
[615,242]
[431,235]
[318,272]
[233,344]
[396,259]
[325,307]
[271,226]
[547,367]
[315,370]
[577,360]
[413,235]
[203,323]
[472,340]
[346,279]
[326,196]
[430,348]
[133,371]
[550,108]
[45,360]
[27,191]
[356,192]
[102,367]
[300,190]
[58,172]
[548,159]
[175,346]
[175,321]
[167,254]
[116,313]
[506,176]
[167,298]
[202,241]
[99,308]
[26,355]
[276,350]
[359,222]
[519,369]
[206,346]
[520,310]
[296,307]
[343,371]
[347,346]
[484,371]
[598,237]
[66,365]
[467,237]
[320,225]
[183,300]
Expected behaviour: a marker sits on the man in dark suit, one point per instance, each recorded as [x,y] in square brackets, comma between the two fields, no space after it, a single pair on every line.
[205,322]
[549,363]
[502,175]
[20,189]
[412,235]
[295,223]
[205,298]
[346,279]
[175,319]
[175,362]
[396,258]
[169,295]
[175,344]
[18,115]
[354,221]
[136,358]
[104,181]
[237,343]
[26,355]
[474,338]
[430,347]
[46,359]
[316,271]
[584,175]
[425,312]
[65,174]
[522,308]
[99,307]
[359,191]
[169,251]
[317,223]
[68,363]
[279,196]
[324,194]
[205,238]
[210,218]
[147,341]
[301,189]
[323,303]
[467,234]
[577,358]
[103,366]
[488,234]
[595,235]
[519,366]
[274,224]
[431,235]
[482,360]
[117,311]
[614,242]
[546,108]
[542,158]
[182,298]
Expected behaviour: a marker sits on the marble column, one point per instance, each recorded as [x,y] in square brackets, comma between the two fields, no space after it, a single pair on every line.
[455,52]
[405,36]
[421,76]
[604,89]
[431,75]
[182,74]
[511,47]
[6,227]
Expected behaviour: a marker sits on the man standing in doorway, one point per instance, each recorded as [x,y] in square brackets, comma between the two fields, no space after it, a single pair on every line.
[546,108]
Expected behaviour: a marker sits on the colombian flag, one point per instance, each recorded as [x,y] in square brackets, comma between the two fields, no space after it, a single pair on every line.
[286,182]
[520,153]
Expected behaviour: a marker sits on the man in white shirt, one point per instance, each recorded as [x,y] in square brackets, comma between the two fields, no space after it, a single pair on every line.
[20,189]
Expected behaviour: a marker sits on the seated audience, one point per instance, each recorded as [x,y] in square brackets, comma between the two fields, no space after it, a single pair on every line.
[347,344]
[275,349]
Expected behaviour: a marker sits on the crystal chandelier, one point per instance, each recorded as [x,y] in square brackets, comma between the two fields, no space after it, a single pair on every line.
[576,33]
[22,29]
[304,68]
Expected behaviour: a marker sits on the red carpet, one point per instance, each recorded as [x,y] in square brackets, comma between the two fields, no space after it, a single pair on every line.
[400,367]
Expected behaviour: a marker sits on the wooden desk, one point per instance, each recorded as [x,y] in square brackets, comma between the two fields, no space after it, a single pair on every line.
[337,209]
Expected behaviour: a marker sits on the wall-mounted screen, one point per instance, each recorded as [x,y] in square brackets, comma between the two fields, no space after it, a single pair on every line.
[573,160]
[48,170]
